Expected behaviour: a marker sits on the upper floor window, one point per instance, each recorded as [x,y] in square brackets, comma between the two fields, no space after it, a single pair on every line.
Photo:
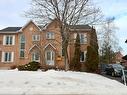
[83,37]
[50,35]
[7,56]
[35,37]
[22,39]
[9,40]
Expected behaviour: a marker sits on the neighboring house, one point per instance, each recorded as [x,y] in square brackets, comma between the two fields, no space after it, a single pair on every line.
[118,57]
[21,45]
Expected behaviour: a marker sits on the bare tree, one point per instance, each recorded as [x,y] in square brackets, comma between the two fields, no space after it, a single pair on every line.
[109,41]
[67,12]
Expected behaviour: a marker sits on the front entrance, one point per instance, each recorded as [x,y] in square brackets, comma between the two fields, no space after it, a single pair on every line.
[50,56]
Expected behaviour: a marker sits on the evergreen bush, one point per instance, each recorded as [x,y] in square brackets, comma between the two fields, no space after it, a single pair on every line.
[31,66]
[92,56]
[75,64]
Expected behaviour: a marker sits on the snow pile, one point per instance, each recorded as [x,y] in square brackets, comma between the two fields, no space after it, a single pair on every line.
[57,82]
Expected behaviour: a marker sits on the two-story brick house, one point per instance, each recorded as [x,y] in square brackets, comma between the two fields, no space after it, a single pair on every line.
[21,45]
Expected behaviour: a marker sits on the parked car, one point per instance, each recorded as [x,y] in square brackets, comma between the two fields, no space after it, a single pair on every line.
[114,69]
[103,67]
[125,73]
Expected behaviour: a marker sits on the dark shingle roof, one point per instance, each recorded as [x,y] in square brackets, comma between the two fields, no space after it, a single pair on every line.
[80,27]
[15,29]
[10,29]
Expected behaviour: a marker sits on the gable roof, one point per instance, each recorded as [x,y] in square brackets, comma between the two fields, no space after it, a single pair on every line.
[17,29]
[10,29]
[73,26]
[49,44]
[80,27]
[29,23]
[33,47]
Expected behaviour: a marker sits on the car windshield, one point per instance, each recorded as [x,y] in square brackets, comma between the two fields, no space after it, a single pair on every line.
[117,66]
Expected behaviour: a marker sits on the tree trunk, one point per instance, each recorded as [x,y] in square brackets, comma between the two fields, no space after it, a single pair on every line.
[64,46]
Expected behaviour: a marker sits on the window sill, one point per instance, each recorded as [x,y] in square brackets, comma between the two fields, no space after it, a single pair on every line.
[35,40]
[50,39]
[8,45]
[36,61]
[7,62]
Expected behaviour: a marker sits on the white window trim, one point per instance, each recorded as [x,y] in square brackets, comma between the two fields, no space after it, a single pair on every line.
[75,35]
[37,37]
[34,57]
[84,56]
[4,40]
[12,56]
[13,40]
[52,56]
[3,57]
[85,38]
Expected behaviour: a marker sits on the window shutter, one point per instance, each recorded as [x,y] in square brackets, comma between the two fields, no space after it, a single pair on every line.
[3,56]
[13,40]
[12,56]
[4,40]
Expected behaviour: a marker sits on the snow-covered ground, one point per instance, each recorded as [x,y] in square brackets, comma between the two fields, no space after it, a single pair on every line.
[13,82]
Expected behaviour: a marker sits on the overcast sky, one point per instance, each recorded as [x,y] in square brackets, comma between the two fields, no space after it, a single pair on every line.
[11,12]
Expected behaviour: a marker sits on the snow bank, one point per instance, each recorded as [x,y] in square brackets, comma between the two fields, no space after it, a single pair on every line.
[57,82]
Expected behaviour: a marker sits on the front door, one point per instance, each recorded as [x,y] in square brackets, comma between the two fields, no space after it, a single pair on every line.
[50,57]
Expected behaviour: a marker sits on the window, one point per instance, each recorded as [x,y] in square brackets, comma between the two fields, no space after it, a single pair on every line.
[22,54]
[82,56]
[49,55]
[36,56]
[7,56]
[83,38]
[22,46]
[50,35]
[9,40]
[36,37]
[22,39]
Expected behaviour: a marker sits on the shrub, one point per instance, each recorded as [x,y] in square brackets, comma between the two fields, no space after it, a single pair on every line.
[92,60]
[32,66]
